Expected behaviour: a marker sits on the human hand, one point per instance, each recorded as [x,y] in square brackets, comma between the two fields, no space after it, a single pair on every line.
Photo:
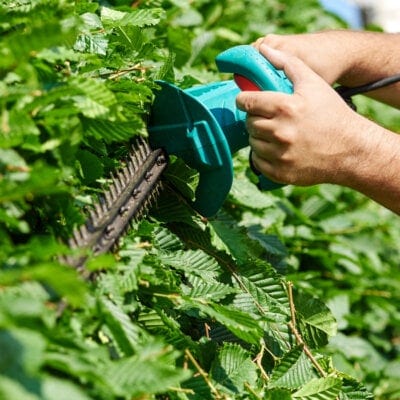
[327,53]
[305,138]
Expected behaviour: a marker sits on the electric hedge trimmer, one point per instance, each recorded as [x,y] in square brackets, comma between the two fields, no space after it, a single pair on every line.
[201,125]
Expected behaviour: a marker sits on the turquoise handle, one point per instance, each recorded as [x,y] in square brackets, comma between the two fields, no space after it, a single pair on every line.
[254,72]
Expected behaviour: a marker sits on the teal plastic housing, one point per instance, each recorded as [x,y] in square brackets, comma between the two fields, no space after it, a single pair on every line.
[203,126]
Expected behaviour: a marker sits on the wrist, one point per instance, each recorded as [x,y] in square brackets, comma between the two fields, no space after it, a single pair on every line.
[372,165]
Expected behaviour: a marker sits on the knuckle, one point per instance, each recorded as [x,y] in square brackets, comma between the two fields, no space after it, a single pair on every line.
[292,108]
[272,40]
[248,102]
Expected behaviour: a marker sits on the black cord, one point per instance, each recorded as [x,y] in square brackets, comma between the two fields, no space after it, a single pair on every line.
[347,92]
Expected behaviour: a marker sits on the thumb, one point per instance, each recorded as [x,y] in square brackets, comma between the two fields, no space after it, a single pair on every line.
[295,69]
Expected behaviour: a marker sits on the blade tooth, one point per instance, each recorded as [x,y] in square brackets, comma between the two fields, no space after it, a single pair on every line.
[144,151]
[122,178]
[98,210]
[84,233]
[90,226]
[93,217]
[133,155]
[146,145]
[114,187]
[138,152]
[130,168]
[126,173]
[73,241]
[103,202]
[107,199]
[113,191]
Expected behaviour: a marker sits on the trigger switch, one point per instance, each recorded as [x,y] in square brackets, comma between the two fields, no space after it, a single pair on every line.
[244,83]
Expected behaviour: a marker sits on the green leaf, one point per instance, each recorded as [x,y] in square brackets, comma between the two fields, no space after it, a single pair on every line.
[246,194]
[125,333]
[140,18]
[278,394]
[233,369]
[242,325]
[111,131]
[315,320]
[185,179]
[294,370]
[152,371]
[195,262]
[204,289]
[91,166]
[12,389]
[319,389]
[62,390]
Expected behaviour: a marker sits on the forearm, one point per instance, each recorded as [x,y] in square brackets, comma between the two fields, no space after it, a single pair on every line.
[375,168]
[370,56]
[350,58]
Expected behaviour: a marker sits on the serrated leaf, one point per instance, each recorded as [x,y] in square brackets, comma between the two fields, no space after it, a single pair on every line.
[153,370]
[184,178]
[227,230]
[111,131]
[195,262]
[246,194]
[233,368]
[264,285]
[294,370]
[95,90]
[315,319]
[92,43]
[165,240]
[140,18]
[204,289]
[243,325]
[125,333]
[319,389]
[354,390]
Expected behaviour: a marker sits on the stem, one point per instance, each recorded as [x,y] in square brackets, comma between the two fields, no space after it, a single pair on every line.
[296,333]
[250,389]
[258,361]
[204,375]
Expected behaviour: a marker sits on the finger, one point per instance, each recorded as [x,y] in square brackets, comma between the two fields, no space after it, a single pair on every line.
[265,167]
[258,43]
[295,69]
[260,128]
[264,104]
[264,149]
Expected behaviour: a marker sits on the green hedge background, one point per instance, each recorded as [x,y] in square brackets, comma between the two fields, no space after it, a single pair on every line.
[285,295]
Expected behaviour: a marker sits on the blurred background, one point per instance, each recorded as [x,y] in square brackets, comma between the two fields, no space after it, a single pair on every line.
[361,13]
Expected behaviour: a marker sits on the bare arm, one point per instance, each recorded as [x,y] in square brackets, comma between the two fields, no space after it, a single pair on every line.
[313,137]
[350,58]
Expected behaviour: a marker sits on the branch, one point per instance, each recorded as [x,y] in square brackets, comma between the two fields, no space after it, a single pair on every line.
[296,333]
[204,375]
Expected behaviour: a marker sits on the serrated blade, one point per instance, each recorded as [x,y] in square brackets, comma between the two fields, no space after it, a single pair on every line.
[133,188]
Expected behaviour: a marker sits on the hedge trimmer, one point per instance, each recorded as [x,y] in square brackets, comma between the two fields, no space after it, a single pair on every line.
[202,126]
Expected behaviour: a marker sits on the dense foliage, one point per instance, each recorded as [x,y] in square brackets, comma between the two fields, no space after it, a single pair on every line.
[285,295]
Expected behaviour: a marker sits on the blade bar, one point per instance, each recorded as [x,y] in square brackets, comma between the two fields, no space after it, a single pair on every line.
[132,190]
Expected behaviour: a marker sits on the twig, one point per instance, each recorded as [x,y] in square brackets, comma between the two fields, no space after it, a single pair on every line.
[204,375]
[251,390]
[296,333]
[114,75]
[258,361]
